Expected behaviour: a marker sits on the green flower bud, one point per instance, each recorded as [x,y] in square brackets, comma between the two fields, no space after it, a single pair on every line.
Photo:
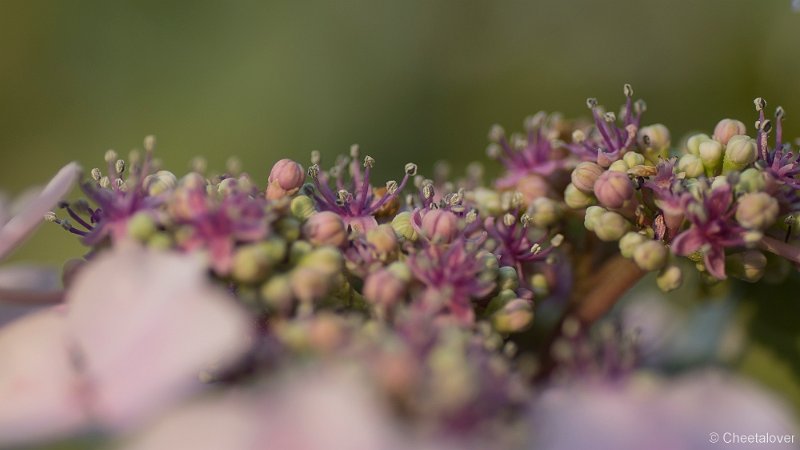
[650,255]
[507,278]
[630,242]
[540,285]
[252,263]
[277,293]
[719,182]
[383,240]
[584,176]
[757,210]
[487,201]
[748,265]
[545,212]
[693,143]
[289,228]
[401,224]
[576,199]
[514,317]
[740,153]
[691,165]
[141,226]
[619,166]
[298,250]
[751,180]
[633,159]
[326,259]
[310,284]
[302,207]
[160,182]
[710,153]
[669,278]
[655,140]
[591,216]
[611,226]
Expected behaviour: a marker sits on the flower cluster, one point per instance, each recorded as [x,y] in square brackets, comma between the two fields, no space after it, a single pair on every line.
[421,287]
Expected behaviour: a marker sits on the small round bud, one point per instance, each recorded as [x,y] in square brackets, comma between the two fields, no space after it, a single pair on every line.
[650,255]
[751,180]
[757,210]
[591,216]
[302,207]
[669,278]
[141,226]
[440,225]
[325,259]
[515,316]
[160,182]
[619,166]
[727,128]
[691,165]
[710,153]
[383,240]
[387,286]
[655,140]
[630,242]
[611,226]
[277,293]
[748,265]
[544,212]
[633,159]
[693,143]
[740,153]
[576,199]
[585,175]
[613,189]
[401,224]
[287,175]
[325,228]
[251,264]
[532,187]
[309,284]
[507,278]
[540,285]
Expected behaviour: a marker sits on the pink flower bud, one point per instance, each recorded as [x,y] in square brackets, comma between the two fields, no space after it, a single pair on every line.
[285,178]
[440,225]
[613,189]
[585,175]
[727,128]
[384,287]
[325,228]
[532,187]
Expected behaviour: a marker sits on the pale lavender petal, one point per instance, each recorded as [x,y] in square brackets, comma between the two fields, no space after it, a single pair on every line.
[715,263]
[41,395]
[148,324]
[687,242]
[22,225]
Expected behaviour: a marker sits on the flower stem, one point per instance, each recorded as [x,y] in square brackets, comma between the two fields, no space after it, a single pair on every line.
[606,287]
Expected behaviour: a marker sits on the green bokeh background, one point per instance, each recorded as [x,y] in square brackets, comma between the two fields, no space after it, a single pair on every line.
[411,80]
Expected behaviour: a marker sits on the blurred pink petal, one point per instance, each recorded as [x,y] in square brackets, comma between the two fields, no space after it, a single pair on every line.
[148,324]
[648,412]
[32,214]
[40,391]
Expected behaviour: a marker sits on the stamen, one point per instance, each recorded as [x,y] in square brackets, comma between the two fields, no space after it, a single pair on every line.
[428,191]
[536,249]
[557,240]
[149,144]
[315,157]
[313,171]
[391,187]
[369,162]
[496,133]
[509,220]
[354,151]
[110,156]
[472,216]
[760,104]
[411,169]
[119,166]
[610,117]
[591,103]
[627,90]
[96,174]
[525,220]
[493,151]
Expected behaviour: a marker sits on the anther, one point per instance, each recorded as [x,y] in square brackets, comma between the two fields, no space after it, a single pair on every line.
[105,182]
[627,90]
[525,220]
[639,106]
[578,136]
[493,151]
[391,187]
[369,161]
[96,174]
[411,169]
[354,151]
[509,219]
[110,156]
[119,167]
[496,133]
[150,143]
[536,249]
[315,157]
[472,216]
[591,102]
[313,171]
[557,240]
[779,113]
[610,117]
[428,191]
[760,103]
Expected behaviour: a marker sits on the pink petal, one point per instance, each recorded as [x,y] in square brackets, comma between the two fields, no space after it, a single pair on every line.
[148,324]
[715,263]
[687,242]
[41,396]
[22,225]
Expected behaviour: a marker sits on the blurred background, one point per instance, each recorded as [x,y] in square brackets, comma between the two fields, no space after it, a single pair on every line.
[411,80]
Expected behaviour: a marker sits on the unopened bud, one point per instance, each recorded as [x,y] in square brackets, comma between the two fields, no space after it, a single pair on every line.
[751,180]
[285,178]
[141,226]
[757,210]
[611,226]
[585,175]
[514,317]
[650,255]
[401,224]
[613,189]
[507,278]
[383,240]
[710,153]
[655,140]
[669,278]
[727,128]
[693,143]
[630,242]
[387,286]
[619,166]
[576,199]
[251,264]
[325,228]
[440,225]
[277,293]
[302,207]
[740,153]
[633,159]
[591,216]
[691,165]
[544,212]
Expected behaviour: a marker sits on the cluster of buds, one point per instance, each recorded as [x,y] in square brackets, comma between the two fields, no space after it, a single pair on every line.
[423,290]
